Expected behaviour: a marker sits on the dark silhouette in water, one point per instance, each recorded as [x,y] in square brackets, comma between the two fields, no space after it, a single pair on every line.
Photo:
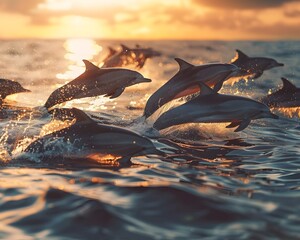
[253,65]
[9,87]
[287,96]
[127,56]
[185,82]
[212,107]
[94,140]
[96,81]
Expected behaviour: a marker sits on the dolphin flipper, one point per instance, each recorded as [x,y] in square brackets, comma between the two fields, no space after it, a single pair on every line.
[243,125]
[125,160]
[258,74]
[115,94]
[218,86]
[234,124]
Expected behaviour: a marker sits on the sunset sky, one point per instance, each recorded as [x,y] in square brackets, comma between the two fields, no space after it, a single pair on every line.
[151,19]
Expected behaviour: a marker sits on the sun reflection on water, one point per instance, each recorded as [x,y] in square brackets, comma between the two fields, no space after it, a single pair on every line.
[292,112]
[76,50]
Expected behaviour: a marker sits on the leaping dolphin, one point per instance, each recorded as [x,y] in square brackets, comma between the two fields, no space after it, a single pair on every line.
[9,87]
[212,107]
[287,96]
[94,140]
[96,81]
[253,65]
[142,54]
[185,82]
[127,56]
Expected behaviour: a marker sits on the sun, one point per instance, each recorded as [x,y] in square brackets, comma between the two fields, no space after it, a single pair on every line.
[76,50]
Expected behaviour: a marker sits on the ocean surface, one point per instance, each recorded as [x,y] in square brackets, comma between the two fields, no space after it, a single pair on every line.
[212,183]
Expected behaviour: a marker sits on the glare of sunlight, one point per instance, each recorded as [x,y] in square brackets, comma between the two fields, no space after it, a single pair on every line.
[76,50]
[104,158]
[55,5]
[292,112]
[55,125]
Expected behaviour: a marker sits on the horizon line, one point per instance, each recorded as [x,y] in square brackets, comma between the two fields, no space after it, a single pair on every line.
[152,39]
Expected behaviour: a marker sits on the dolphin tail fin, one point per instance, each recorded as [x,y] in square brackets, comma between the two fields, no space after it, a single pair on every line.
[243,125]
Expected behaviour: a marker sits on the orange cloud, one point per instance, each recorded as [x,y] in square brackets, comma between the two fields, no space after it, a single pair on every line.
[243,4]
[191,19]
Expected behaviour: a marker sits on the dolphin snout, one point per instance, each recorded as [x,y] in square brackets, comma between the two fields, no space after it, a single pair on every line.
[144,79]
[280,64]
[25,90]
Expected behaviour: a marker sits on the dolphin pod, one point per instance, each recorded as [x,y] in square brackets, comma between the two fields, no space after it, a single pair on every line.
[96,81]
[185,82]
[95,139]
[287,96]
[212,107]
[254,66]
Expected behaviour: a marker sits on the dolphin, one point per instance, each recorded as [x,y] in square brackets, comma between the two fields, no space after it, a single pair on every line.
[93,139]
[185,82]
[111,53]
[287,96]
[119,59]
[142,54]
[253,65]
[212,107]
[9,87]
[96,81]
[127,56]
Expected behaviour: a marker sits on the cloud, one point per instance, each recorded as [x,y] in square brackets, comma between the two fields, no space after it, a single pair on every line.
[246,18]
[237,23]
[19,6]
[243,4]
[43,16]
[292,13]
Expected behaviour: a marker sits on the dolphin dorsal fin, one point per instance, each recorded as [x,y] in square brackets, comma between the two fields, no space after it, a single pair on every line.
[183,64]
[81,116]
[241,55]
[205,90]
[112,51]
[89,66]
[124,48]
[287,85]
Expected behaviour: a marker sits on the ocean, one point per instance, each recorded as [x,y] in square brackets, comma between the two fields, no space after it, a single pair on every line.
[213,183]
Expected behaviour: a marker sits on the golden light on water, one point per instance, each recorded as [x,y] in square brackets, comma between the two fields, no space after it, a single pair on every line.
[290,112]
[76,50]
[55,125]
[109,159]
